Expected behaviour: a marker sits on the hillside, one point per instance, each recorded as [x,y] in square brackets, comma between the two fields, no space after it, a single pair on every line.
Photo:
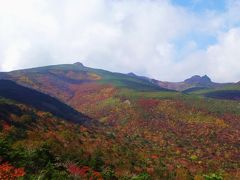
[37,145]
[76,74]
[226,92]
[144,131]
[11,90]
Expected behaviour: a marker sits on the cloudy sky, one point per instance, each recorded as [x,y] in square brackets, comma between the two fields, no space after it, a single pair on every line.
[162,39]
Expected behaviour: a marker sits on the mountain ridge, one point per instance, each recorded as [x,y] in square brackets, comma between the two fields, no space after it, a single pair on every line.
[192,82]
[59,81]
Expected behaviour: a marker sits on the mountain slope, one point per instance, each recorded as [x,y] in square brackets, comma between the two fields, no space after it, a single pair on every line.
[75,84]
[77,73]
[224,94]
[142,129]
[11,90]
[37,145]
[70,82]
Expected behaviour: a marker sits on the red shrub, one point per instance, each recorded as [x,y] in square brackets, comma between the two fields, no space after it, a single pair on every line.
[9,172]
[84,172]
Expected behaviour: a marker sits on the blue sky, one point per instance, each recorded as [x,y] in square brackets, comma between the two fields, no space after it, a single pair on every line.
[163,39]
[200,6]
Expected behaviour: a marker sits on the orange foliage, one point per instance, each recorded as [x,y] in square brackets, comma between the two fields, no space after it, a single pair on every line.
[9,172]
[154,157]
[84,172]
[88,94]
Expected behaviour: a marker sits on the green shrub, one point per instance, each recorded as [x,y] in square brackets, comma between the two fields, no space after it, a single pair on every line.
[96,161]
[109,174]
[213,176]
[143,176]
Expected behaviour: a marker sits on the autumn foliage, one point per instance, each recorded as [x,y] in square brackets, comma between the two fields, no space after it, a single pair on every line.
[139,134]
[7,171]
[84,172]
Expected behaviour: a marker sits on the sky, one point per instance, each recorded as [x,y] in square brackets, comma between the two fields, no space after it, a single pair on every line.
[168,40]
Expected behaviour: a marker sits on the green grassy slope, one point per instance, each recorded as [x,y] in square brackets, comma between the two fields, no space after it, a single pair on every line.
[116,79]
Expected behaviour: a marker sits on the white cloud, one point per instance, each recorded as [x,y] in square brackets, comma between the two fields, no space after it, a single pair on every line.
[224,57]
[126,35]
[220,61]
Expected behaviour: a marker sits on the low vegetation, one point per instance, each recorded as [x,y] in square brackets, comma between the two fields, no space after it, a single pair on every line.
[141,134]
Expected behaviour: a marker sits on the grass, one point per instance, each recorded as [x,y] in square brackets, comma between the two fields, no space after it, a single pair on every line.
[149,94]
[209,90]
[126,81]
[217,106]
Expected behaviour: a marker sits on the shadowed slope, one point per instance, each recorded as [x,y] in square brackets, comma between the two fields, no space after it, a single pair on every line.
[224,94]
[11,90]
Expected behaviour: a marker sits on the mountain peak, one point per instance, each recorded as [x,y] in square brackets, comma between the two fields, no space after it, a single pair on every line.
[206,77]
[198,80]
[79,64]
[131,74]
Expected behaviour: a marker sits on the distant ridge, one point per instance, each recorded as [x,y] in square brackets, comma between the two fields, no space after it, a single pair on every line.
[60,76]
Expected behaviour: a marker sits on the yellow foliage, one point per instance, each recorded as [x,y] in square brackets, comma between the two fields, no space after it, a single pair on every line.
[182,174]
[199,177]
[221,123]
[94,76]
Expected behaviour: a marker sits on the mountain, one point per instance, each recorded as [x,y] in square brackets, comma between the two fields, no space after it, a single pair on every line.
[61,76]
[198,80]
[141,127]
[77,73]
[70,82]
[178,86]
[193,83]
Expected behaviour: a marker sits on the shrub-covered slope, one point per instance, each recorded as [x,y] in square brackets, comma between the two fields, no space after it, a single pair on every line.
[143,132]
[11,90]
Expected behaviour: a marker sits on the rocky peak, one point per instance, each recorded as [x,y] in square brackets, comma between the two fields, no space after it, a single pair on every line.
[198,80]
[131,74]
[79,64]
